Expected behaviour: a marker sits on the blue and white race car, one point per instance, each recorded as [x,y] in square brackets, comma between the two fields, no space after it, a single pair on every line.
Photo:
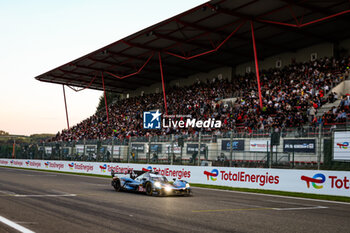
[150,183]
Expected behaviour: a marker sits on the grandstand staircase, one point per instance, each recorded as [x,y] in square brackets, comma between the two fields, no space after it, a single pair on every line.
[325,108]
[341,90]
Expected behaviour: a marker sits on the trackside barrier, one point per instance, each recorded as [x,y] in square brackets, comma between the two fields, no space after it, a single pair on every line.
[292,180]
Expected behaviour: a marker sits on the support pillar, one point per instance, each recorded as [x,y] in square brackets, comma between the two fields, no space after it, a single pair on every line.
[256,64]
[104,92]
[65,104]
[161,74]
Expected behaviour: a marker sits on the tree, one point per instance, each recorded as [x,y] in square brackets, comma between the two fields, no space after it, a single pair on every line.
[3,133]
[111,97]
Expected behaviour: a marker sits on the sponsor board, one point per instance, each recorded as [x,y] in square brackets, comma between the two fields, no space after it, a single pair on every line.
[91,149]
[193,148]
[341,146]
[292,180]
[299,145]
[116,150]
[261,145]
[176,148]
[156,148]
[79,149]
[48,150]
[237,145]
[139,147]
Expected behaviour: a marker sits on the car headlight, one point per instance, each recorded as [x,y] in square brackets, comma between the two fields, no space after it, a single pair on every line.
[187,185]
[167,188]
[157,184]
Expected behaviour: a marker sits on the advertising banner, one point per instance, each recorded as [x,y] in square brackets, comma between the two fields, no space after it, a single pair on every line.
[116,150]
[292,180]
[79,149]
[300,145]
[91,149]
[193,148]
[48,150]
[261,145]
[176,148]
[139,147]
[156,148]
[237,145]
[341,147]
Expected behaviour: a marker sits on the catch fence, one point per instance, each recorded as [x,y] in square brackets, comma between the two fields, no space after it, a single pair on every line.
[306,147]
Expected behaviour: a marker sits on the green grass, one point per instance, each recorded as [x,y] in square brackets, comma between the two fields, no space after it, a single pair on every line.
[263,191]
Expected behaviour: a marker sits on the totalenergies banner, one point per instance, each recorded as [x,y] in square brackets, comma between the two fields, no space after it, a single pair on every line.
[305,181]
[341,146]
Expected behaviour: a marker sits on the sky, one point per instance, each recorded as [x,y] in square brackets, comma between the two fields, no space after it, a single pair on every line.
[37,36]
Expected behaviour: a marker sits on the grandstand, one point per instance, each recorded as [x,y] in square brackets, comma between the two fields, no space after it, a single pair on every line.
[258,66]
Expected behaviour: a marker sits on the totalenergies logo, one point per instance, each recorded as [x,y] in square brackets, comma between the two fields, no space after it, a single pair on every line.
[71,166]
[28,163]
[103,168]
[47,164]
[213,174]
[11,162]
[316,179]
[343,145]
[148,169]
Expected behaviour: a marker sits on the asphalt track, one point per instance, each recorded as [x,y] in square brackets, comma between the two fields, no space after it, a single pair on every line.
[53,202]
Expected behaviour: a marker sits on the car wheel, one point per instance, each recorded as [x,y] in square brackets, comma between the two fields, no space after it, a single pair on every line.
[149,191]
[116,185]
[188,193]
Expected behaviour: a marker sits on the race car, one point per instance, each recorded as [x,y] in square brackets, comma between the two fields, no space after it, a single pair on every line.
[150,183]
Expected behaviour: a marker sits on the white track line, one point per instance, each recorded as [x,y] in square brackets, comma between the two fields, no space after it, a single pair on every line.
[302,208]
[15,225]
[45,195]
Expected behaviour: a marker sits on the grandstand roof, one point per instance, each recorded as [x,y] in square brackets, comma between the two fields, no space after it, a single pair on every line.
[219,30]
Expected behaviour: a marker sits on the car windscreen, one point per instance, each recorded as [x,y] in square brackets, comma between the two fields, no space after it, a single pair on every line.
[161,179]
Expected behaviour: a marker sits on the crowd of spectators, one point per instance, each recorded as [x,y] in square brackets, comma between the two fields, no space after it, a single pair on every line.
[291,97]
[338,114]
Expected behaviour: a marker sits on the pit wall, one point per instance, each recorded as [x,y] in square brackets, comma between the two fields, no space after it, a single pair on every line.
[291,180]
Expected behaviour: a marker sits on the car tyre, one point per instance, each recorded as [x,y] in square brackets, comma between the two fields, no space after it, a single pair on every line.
[149,190]
[188,193]
[116,185]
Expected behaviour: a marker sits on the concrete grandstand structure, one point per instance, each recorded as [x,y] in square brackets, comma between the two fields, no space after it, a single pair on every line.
[224,40]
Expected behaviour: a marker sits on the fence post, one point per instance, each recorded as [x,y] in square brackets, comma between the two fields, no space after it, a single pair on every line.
[72,149]
[319,147]
[44,152]
[172,150]
[129,150]
[293,157]
[231,149]
[112,152]
[268,154]
[84,148]
[181,147]
[149,149]
[199,148]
